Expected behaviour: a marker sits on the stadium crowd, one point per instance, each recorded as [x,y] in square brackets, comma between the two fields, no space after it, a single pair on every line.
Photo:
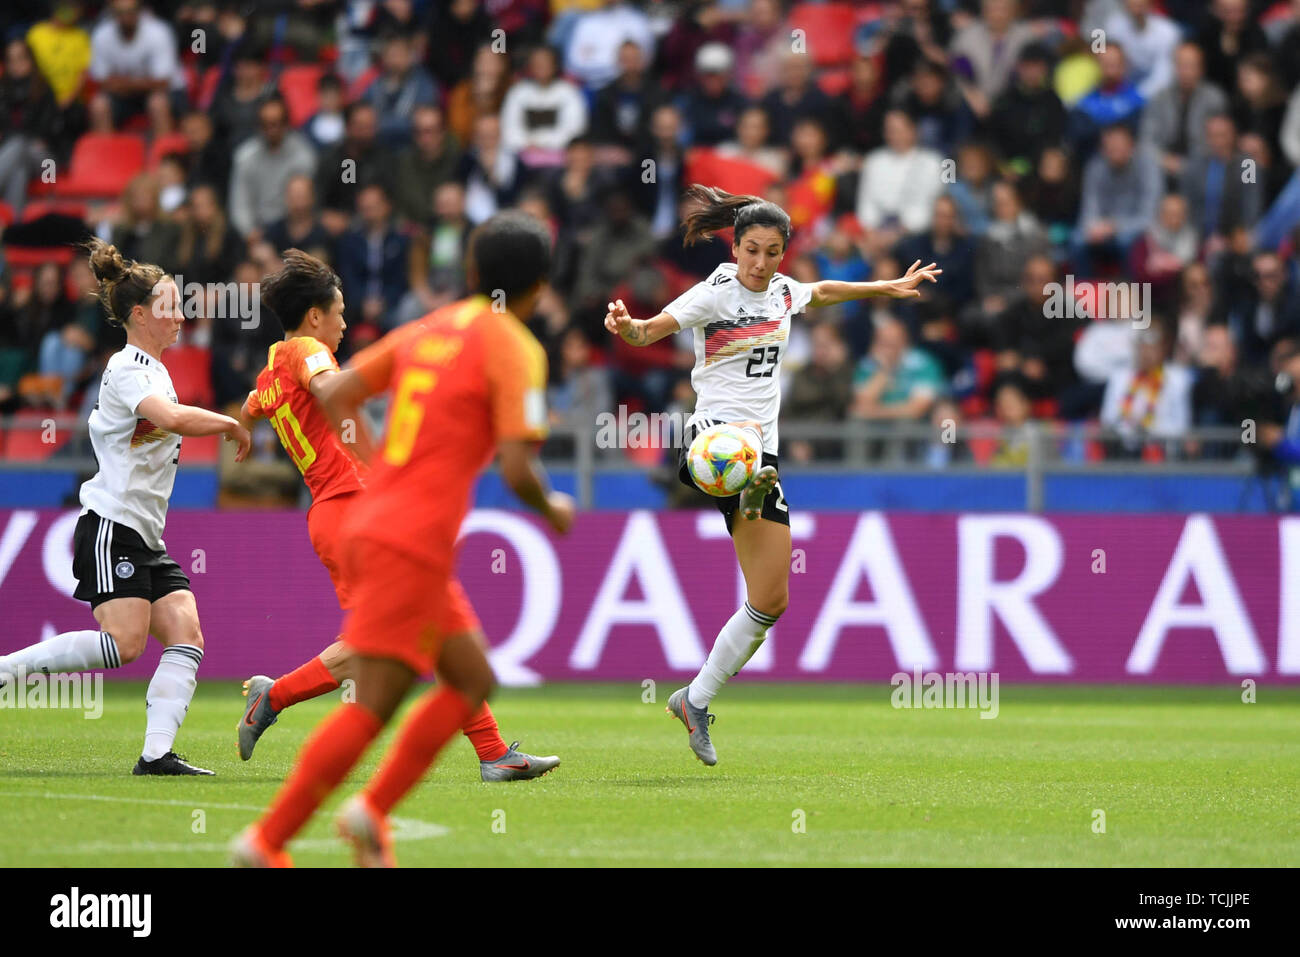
[1044,153]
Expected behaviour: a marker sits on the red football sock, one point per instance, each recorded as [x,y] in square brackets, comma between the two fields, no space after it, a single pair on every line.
[433,721]
[329,754]
[303,683]
[483,733]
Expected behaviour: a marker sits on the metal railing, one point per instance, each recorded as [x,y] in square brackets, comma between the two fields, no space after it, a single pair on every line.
[1037,450]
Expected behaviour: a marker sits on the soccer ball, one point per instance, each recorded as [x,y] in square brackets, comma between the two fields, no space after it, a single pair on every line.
[722,459]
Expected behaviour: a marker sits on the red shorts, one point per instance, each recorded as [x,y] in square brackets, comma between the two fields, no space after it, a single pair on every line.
[324,527]
[404,607]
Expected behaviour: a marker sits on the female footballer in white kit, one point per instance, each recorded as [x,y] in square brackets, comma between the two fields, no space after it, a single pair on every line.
[122,568]
[741,316]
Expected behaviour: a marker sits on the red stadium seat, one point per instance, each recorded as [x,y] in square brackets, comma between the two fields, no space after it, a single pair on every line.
[6,214]
[828,28]
[191,370]
[298,85]
[29,257]
[201,450]
[834,82]
[206,89]
[40,207]
[165,144]
[24,440]
[734,175]
[101,165]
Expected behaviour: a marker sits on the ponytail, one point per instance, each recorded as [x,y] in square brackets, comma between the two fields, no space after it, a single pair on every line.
[716,209]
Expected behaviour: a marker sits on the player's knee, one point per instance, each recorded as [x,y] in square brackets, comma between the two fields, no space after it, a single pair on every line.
[772,602]
[130,643]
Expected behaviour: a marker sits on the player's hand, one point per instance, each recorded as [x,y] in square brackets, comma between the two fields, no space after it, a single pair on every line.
[617,319]
[560,510]
[242,439]
[905,288]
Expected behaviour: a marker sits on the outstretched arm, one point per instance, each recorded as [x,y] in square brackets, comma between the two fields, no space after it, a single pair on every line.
[828,292]
[638,332]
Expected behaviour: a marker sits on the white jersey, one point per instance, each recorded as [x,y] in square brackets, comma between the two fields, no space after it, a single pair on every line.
[740,337]
[137,460]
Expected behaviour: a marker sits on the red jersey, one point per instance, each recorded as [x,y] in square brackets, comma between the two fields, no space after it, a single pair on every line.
[462,379]
[283,395]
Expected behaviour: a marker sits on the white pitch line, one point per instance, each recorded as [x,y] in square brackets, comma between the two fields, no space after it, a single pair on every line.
[404,829]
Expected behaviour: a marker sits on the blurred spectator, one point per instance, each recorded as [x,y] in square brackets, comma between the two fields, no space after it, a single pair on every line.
[133,60]
[144,234]
[1218,199]
[1151,398]
[358,160]
[64,345]
[1269,311]
[840,259]
[479,94]
[760,40]
[1052,195]
[820,391]
[657,200]
[1121,189]
[1012,410]
[1114,101]
[438,254]
[1034,337]
[1174,122]
[797,97]
[1013,236]
[61,49]
[207,249]
[489,170]
[373,258]
[238,349]
[899,181]
[913,30]
[1229,34]
[591,55]
[301,227]
[401,86]
[262,168]
[542,112]
[1288,50]
[620,243]
[895,381]
[1028,116]
[712,106]
[859,112]
[1148,38]
[698,24]
[457,31]
[1166,248]
[31,126]
[934,102]
[582,389]
[1283,440]
[1259,102]
[987,48]
[752,136]
[327,125]
[205,158]
[1195,310]
[235,109]
[1225,393]
[431,160]
[972,189]
[620,117]
[946,244]
[171,183]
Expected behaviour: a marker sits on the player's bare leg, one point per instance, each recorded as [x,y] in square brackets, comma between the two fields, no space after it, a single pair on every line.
[763,549]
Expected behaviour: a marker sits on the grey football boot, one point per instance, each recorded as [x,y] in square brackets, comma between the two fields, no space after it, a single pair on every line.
[753,495]
[258,716]
[697,722]
[514,765]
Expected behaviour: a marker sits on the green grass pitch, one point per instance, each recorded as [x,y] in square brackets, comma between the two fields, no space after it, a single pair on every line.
[1185,776]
